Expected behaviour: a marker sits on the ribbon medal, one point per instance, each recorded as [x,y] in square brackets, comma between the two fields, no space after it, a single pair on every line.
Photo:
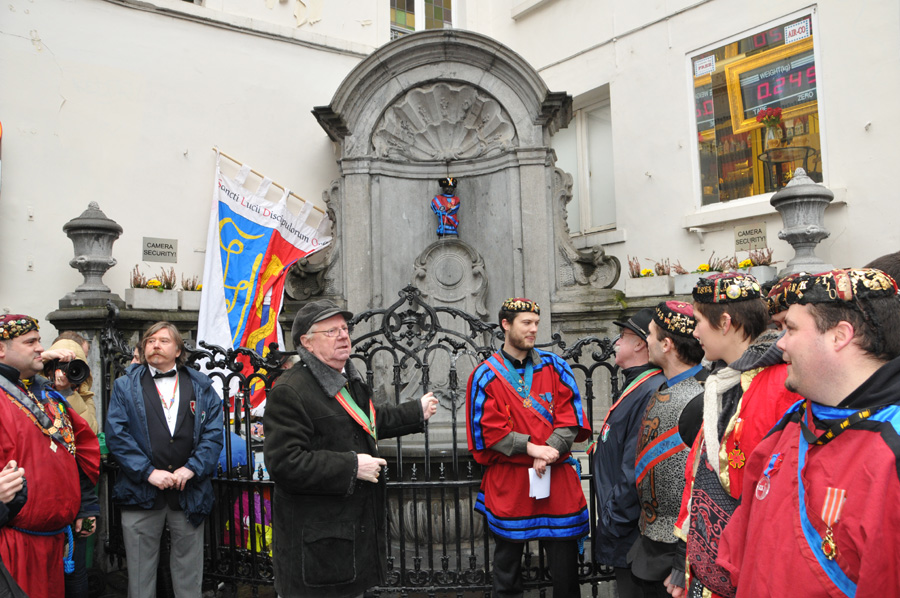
[762,488]
[831,513]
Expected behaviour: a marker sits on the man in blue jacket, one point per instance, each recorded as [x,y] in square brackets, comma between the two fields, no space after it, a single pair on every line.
[164,427]
[618,505]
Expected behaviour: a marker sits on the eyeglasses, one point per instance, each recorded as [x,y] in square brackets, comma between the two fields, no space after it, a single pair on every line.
[332,332]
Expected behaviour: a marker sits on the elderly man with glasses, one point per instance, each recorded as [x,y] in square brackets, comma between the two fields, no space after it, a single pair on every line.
[322,431]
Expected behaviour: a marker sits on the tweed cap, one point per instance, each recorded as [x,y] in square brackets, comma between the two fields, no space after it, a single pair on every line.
[676,317]
[727,287]
[13,325]
[314,312]
[639,323]
[852,286]
[520,304]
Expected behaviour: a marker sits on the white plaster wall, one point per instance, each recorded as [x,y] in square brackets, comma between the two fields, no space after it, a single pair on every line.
[101,102]
[639,49]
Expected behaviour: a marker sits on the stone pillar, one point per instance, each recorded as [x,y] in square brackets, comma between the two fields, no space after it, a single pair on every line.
[802,204]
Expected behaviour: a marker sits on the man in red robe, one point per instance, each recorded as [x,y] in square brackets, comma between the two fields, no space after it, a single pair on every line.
[59,453]
[818,515]
[524,412]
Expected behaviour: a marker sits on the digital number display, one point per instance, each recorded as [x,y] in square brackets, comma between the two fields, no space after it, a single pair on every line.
[703,103]
[781,84]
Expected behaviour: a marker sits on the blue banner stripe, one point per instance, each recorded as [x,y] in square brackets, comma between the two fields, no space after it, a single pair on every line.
[482,377]
[656,450]
[831,568]
[568,379]
[528,528]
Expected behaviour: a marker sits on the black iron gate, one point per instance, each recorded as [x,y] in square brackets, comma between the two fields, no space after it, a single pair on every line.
[437,545]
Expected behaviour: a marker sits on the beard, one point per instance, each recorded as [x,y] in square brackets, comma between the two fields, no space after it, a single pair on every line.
[519,342]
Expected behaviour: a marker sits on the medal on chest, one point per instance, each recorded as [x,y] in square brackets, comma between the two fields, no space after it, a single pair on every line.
[736,457]
[604,433]
[831,513]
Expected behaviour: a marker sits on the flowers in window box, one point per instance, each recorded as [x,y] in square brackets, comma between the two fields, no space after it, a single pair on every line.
[138,280]
[762,257]
[646,272]
[702,268]
[770,117]
[747,263]
[190,284]
[167,279]
[155,285]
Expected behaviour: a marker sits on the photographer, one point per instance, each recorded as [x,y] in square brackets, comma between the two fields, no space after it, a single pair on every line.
[65,365]
[71,347]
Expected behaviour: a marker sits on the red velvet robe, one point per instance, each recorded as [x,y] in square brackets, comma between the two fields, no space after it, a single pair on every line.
[494,410]
[54,497]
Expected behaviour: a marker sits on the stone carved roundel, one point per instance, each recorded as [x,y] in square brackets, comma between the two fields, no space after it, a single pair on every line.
[444,122]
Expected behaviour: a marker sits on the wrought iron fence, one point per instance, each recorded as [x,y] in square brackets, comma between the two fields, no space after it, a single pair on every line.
[437,545]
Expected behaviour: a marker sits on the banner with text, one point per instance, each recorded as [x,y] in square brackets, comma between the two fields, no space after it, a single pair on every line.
[252,243]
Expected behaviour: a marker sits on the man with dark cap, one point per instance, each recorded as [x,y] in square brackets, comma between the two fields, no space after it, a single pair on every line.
[524,412]
[743,398]
[669,425]
[45,439]
[818,514]
[322,428]
[618,508]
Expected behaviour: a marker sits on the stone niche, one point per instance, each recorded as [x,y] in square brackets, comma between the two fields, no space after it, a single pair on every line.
[450,103]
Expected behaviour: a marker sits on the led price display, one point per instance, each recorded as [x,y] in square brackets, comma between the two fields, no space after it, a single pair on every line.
[783,84]
[703,103]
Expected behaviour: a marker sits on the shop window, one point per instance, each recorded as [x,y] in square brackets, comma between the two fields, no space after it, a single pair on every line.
[435,14]
[584,150]
[756,107]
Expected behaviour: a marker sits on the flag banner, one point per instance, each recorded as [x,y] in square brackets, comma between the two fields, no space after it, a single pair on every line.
[252,243]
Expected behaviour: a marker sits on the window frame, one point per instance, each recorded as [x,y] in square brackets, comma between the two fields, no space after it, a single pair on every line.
[719,211]
[419,12]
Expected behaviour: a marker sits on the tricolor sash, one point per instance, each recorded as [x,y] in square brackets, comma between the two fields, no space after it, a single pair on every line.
[663,447]
[359,416]
[542,405]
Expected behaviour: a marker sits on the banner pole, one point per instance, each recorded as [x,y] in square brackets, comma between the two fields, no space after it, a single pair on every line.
[260,175]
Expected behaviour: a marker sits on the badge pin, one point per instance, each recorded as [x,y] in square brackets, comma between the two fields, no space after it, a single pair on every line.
[762,488]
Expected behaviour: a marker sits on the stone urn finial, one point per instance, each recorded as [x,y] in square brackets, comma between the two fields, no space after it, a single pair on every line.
[802,204]
[93,235]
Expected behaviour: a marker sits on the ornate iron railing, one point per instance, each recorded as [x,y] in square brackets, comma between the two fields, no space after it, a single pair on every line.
[436,543]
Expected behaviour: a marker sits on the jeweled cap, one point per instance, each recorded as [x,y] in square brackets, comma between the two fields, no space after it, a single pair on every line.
[676,317]
[851,285]
[727,287]
[776,299]
[520,304]
[13,325]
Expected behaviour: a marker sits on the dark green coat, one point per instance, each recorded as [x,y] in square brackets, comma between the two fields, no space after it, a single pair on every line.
[328,527]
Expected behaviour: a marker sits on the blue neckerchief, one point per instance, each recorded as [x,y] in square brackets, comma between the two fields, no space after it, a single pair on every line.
[684,375]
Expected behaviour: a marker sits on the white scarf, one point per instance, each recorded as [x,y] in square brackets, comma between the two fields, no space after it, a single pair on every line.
[716,385]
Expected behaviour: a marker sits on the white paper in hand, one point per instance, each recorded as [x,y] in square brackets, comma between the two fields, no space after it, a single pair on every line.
[538,487]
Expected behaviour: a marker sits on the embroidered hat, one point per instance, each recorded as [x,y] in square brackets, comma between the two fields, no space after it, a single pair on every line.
[13,325]
[777,296]
[676,317]
[727,287]
[448,182]
[851,286]
[520,304]
[639,323]
[314,312]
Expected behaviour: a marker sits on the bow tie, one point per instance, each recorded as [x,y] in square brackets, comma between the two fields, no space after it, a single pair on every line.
[169,374]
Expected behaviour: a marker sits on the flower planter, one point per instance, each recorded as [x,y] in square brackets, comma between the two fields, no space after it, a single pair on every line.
[650,286]
[762,274]
[189,300]
[684,283]
[151,299]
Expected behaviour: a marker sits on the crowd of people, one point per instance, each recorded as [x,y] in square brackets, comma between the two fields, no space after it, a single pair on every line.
[752,450]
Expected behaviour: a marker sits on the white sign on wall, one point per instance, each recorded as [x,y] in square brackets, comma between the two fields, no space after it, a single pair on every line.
[750,236]
[160,250]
